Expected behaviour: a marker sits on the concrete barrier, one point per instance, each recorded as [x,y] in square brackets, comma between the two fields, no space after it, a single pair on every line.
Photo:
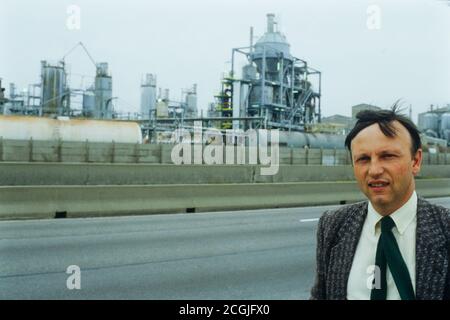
[31,202]
[89,152]
[34,173]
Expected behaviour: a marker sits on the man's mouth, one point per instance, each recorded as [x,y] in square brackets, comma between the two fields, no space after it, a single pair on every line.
[378,185]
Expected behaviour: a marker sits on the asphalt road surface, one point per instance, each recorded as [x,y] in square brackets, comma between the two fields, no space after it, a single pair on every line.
[258,254]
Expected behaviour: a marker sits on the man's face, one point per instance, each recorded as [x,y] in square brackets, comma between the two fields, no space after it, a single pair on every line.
[384,167]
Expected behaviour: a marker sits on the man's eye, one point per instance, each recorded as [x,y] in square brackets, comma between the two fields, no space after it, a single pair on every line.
[388,156]
[362,159]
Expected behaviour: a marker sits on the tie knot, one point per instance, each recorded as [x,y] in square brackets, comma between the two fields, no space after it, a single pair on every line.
[387,224]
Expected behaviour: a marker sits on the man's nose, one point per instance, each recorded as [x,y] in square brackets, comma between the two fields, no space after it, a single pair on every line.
[375,168]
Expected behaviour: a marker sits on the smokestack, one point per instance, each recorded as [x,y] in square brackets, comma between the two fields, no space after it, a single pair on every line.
[270,22]
[251,39]
[166,94]
[12,90]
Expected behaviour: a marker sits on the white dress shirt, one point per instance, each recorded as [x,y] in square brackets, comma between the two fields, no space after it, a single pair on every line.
[361,273]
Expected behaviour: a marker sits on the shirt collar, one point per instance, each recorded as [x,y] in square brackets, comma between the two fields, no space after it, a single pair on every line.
[402,217]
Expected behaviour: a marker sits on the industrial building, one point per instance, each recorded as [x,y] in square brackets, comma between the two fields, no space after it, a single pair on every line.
[267,87]
[337,124]
[363,106]
[435,123]
[53,97]
[277,89]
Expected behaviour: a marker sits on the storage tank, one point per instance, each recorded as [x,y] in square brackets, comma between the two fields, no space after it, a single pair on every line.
[445,121]
[249,72]
[53,88]
[103,92]
[148,96]
[191,102]
[313,141]
[256,95]
[46,129]
[162,109]
[445,126]
[271,45]
[12,90]
[89,103]
[325,141]
[293,139]
[429,121]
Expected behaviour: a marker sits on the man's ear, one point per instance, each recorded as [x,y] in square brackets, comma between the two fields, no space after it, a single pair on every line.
[417,162]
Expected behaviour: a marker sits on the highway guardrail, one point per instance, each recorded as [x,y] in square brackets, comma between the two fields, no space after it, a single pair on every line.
[30,202]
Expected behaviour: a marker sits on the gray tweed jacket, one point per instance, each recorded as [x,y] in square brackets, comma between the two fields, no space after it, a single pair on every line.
[338,235]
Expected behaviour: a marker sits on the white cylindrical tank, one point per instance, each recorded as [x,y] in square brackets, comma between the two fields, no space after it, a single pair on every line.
[88,103]
[46,129]
[162,109]
[99,131]
[445,121]
[103,92]
[311,140]
[429,121]
[53,86]
[445,127]
[25,128]
[191,102]
[148,96]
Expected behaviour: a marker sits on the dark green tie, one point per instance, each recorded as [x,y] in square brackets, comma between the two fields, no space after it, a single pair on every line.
[388,254]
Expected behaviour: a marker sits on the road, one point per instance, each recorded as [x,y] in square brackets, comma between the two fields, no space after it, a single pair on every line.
[258,254]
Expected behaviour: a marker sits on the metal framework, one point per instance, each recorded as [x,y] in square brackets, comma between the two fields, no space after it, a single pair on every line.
[292,102]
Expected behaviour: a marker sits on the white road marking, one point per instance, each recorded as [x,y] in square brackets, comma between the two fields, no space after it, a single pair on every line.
[309,220]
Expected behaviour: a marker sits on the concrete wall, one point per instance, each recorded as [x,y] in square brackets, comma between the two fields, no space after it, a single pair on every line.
[90,152]
[31,202]
[125,174]
[16,173]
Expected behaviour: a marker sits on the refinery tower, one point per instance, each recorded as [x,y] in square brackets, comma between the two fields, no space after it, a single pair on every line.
[275,88]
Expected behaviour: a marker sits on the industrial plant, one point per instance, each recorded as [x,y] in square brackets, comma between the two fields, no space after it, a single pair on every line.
[436,123]
[267,87]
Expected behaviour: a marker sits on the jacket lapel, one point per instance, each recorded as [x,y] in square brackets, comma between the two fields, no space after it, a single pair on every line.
[341,255]
[431,254]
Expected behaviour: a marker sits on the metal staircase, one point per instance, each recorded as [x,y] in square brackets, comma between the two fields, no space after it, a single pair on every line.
[303,99]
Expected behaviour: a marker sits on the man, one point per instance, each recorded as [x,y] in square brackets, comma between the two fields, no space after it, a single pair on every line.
[396,245]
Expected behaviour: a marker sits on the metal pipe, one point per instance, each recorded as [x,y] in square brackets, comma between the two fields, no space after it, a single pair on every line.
[320,95]
[292,84]
[251,45]
[263,80]
[281,79]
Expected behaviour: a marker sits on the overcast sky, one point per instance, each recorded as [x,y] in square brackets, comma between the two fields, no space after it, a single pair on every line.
[403,55]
